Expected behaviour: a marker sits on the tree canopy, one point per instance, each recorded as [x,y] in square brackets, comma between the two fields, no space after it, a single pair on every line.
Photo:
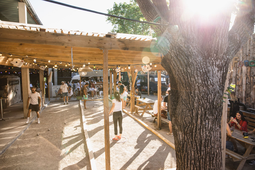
[131,11]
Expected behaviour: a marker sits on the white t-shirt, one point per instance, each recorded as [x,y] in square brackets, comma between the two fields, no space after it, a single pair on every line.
[138,82]
[34,98]
[155,107]
[118,105]
[64,88]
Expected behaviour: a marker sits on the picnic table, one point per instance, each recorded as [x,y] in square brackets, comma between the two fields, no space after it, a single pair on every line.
[238,135]
[136,97]
[144,104]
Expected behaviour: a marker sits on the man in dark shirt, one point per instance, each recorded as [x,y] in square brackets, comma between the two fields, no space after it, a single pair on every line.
[165,107]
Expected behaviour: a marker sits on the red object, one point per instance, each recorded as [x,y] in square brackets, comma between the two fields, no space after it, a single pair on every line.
[243,125]
[114,139]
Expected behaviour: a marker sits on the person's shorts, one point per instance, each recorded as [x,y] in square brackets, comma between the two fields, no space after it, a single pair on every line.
[64,94]
[125,98]
[34,107]
[168,116]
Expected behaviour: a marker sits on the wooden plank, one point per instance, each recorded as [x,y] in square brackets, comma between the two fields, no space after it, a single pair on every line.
[42,86]
[159,100]
[148,82]
[234,155]
[111,84]
[114,81]
[25,88]
[22,36]
[248,114]
[106,111]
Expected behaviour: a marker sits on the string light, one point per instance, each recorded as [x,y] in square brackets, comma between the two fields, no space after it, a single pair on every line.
[88,62]
[94,66]
[150,63]
[48,61]
[128,66]
[35,60]
[83,65]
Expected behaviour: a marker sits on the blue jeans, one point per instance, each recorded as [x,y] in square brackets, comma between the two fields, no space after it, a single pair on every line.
[229,145]
[168,116]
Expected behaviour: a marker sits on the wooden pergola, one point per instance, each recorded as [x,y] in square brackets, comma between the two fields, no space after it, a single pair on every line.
[50,47]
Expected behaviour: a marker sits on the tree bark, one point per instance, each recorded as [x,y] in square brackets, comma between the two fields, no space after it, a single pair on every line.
[196,57]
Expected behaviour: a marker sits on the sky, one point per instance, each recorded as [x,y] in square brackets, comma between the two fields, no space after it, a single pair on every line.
[57,16]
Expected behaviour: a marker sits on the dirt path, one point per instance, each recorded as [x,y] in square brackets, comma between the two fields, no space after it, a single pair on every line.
[56,143]
[139,148]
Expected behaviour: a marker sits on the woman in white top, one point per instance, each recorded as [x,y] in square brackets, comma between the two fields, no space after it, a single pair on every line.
[117,115]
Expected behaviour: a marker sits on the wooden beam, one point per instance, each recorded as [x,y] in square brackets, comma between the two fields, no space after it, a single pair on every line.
[25,88]
[148,82]
[22,36]
[115,81]
[106,111]
[111,84]
[132,93]
[42,86]
[159,100]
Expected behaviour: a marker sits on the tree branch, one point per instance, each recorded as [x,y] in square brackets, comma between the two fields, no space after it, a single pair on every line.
[241,31]
[148,10]
[162,9]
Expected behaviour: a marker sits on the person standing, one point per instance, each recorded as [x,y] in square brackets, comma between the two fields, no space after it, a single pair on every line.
[117,115]
[35,104]
[85,94]
[64,91]
[138,84]
[165,106]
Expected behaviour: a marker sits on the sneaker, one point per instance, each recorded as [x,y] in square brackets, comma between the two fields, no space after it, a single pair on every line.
[171,134]
[27,121]
[64,103]
[67,103]
[252,162]
[38,121]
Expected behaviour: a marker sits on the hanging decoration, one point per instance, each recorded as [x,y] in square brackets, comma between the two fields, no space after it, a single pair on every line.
[146,68]
[17,62]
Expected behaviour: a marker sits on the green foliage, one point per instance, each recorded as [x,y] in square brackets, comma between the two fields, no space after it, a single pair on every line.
[131,11]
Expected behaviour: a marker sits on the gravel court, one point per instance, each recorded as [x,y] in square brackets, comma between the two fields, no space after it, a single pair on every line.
[139,148]
[56,143]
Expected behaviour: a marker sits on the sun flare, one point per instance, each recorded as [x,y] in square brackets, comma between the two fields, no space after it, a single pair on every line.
[206,8]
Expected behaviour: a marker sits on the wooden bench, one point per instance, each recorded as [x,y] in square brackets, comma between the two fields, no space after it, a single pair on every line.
[137,108]
[250,118]
[235,156]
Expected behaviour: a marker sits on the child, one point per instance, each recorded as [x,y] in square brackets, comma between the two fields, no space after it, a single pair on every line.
[117,115]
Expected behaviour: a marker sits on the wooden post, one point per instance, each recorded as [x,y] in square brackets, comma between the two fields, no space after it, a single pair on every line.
[120,76]
[42,86]
[115,80]
[49,81]
[224,123]
[159,99]
[132,92]
[148,82]
[25,88]
[110,84]
[106,111]
[80,86]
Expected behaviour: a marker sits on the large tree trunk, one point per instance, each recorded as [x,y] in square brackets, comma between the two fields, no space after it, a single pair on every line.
[196,57]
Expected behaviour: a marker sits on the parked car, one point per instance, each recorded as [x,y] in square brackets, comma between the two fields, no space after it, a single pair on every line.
[153,83]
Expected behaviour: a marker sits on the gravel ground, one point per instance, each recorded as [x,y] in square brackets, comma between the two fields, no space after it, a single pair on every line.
[138,149]
[56,143]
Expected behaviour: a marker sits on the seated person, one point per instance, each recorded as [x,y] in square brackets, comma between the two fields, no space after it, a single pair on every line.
[155,109]
[165,106]
[138,93]
[239,122]
[100,89]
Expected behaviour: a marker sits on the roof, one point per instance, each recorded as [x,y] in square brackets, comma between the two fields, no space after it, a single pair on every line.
[9,11]
[28,42]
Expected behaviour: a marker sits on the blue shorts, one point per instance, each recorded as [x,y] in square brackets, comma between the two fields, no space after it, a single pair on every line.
[168,116]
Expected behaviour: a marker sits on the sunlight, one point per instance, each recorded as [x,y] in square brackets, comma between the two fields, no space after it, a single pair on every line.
[207,8]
